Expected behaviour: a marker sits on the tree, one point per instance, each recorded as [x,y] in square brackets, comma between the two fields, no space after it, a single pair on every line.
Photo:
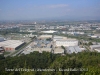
[64,49]
[90,43]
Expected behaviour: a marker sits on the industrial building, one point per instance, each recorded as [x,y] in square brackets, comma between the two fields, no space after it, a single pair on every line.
[59,38]
[50,31]
[45,36]
[73,49]
[95,47]
[11,45]
[58,51]
[40,50]
[66,43]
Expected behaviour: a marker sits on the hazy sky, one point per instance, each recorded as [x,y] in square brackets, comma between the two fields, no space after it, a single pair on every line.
[38,9]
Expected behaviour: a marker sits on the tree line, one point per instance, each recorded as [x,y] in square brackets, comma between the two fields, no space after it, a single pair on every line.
[83,63]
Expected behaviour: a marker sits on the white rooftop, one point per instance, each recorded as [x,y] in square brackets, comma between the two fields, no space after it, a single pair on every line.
[50,31]
[95,46]
[11,43]
[45,36]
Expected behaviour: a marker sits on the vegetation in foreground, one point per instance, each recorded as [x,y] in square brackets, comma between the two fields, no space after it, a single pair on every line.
[84,63]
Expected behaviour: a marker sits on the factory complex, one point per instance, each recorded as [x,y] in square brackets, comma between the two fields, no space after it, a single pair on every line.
[54,44]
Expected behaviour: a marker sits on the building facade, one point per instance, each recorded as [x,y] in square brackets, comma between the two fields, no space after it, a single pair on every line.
[66,43]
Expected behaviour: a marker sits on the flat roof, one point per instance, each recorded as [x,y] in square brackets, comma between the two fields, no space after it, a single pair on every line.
[58,50]
[67,40]
[95,46]
[11,43]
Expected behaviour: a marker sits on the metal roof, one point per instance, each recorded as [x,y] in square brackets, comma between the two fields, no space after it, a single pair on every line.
[95,46]
[72,49]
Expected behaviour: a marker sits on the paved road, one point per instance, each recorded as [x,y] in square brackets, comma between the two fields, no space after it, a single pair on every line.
[8,54]
[18,52]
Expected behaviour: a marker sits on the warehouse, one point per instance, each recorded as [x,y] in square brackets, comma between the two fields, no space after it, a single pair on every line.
[59,51]
[50,31]
[73,49]
[45,36]
[67,42]
[95,47]
[59,38]
[11,45]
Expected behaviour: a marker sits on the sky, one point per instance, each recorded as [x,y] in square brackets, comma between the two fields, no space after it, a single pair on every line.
[49,9]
